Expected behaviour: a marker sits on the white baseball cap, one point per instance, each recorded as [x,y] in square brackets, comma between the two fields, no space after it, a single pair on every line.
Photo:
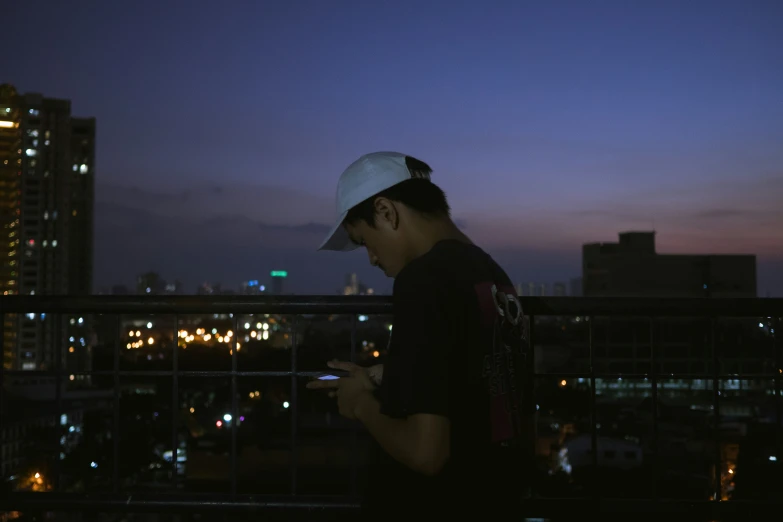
[364,178]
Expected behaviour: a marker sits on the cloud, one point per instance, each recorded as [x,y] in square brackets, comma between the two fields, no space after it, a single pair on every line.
[273,205]
[199,234]
[139,230]
[725,216]
[725,213]
[227,249]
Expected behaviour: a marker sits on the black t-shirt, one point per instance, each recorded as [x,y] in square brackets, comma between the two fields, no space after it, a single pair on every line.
[458,347]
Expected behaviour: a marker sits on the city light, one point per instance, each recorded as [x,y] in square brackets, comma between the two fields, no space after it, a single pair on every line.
[5,124]
[286,405]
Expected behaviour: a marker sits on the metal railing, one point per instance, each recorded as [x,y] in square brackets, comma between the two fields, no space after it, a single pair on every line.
[651,309]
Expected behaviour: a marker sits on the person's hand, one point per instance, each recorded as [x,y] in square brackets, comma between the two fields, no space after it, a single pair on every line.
[376,374]
[350,390]
[366,375]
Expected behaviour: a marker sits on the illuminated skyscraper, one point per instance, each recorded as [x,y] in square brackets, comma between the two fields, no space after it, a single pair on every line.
[278,277]
[46,220]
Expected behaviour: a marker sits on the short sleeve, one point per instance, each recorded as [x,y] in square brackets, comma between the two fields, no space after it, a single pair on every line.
[424,340]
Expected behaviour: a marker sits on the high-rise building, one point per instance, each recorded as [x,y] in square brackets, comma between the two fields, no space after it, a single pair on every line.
[80,247]
[150,283]
[559,290]
[252,287]
[46,202]
[576,287]
[278,277]
[531,289]
[355,287]
[632,267]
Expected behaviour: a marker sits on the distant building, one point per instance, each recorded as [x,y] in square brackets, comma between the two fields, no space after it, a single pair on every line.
[633,268]
[82,197]
[252,287]
[119,290]
[209,289]
[351,285]
[354,287]
[559,290]
[47,176]
[175,288]
[278,278]
[576,287]
[150,283]
[531,289]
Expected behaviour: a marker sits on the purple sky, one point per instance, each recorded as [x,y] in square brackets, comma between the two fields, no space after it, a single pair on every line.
[549,124]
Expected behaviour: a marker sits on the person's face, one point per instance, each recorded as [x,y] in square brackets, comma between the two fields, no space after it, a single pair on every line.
[384,242]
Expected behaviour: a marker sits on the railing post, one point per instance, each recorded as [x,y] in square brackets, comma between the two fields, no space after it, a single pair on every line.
[116,409]
[354,429]
[716,407]
[294,453]
[60,370]
[778,348]
[529,402]
[174,401]
[593,411]
[654,378]
[234,406]
[2,385]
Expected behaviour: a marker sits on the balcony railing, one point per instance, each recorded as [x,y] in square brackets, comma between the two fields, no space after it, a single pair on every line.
[586,368]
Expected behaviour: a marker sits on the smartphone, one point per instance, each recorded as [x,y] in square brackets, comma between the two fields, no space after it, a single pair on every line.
[334,374]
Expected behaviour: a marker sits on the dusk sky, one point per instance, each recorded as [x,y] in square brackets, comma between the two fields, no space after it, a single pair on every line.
[223,126]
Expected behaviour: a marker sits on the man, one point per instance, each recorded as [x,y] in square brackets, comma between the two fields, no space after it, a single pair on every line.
[448,413]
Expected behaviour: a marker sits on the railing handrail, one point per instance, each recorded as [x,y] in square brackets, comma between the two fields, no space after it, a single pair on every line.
[329,304]
[608,508]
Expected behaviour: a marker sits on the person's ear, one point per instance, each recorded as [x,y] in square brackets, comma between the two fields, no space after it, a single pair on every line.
[386,213]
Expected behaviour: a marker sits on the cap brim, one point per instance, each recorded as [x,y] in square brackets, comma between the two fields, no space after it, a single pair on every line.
[338,238]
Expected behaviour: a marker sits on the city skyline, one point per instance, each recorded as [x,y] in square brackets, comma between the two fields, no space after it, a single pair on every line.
[627,152]
[547,127]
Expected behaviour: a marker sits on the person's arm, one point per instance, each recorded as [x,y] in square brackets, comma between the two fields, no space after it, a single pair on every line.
[376,374]
[422,345]
[421,442]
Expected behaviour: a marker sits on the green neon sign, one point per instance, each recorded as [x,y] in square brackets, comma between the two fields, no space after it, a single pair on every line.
[279,273]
